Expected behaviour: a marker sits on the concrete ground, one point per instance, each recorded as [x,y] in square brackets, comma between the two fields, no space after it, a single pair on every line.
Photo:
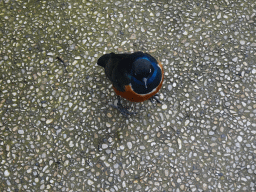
[58,131]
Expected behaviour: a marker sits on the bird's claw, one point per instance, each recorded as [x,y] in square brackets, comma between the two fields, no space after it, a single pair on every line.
[156,99]
[123,110]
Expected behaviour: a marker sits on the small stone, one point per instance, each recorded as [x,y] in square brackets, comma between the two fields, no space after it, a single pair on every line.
[21,132]
[108,151]
[240,139]
[110,179]
[71,144]
[179,143]
[42,186]
[205,187]
[211,133]
[129,145]
[109,115]
[110,33]
[104,146]
[242,42]
[164,106]
[90,182]
[44,169]
[48,121]
[244,179]
[6,173]
[133,36]
[29,170]
[219,16]
[142,147]
[50,54]
[185,33]
[235,59]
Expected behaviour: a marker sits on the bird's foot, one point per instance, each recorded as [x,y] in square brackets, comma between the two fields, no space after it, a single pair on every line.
[155,98]
[123,110]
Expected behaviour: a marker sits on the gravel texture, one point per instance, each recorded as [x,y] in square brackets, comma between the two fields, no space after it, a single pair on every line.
[58,131]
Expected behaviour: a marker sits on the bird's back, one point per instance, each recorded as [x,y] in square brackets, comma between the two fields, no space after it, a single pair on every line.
[119,68]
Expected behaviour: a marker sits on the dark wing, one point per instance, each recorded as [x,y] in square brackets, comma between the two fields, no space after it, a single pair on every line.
[103,60]
[119,69]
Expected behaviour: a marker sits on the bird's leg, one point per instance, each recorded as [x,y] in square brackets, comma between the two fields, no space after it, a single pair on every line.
[123,110]
[155,98]
[65,66]
[119,102]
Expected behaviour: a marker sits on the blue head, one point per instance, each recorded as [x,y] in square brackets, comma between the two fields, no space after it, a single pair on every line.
[146,75]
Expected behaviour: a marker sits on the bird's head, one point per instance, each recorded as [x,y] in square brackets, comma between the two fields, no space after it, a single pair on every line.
[142,70]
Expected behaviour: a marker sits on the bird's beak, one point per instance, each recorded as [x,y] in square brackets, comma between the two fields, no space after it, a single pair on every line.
[145,81]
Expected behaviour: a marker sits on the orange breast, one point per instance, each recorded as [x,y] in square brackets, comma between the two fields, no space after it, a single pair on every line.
[130,95]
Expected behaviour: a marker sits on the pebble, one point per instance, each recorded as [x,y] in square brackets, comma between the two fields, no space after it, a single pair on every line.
[242,42]
[6,173]
[164,106]
[104,146]
[71,144]
[50,54]
[185,33]
[240,139]
[142,147]
[129,144]
[110,33]
[90,182]
[21,131]
[179,143]
[48,121]
[211,133]
[235,59]
[133,36]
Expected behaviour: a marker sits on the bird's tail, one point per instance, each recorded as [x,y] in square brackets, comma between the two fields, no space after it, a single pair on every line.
[103,60]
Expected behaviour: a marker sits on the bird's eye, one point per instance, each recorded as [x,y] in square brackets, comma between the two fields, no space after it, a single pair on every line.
[149,70]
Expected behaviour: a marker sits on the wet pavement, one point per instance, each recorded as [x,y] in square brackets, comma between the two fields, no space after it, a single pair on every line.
[58,131]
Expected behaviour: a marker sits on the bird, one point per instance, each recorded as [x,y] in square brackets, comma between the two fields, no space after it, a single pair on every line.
[136,76]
